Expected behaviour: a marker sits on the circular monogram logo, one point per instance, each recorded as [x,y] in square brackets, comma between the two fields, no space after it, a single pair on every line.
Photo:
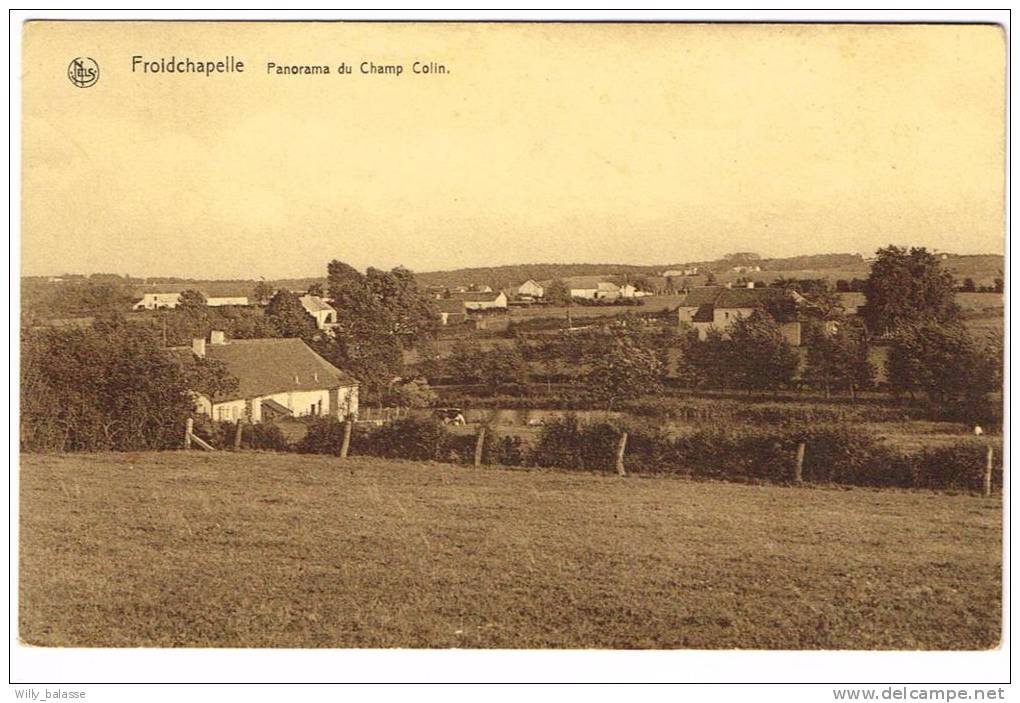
[83,72]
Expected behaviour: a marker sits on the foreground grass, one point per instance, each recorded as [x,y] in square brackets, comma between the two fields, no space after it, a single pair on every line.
[264,550]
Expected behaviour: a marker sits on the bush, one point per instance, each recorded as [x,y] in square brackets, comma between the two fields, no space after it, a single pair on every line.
[834,454]
[693,409]
[264,436]
[325,435]
[566,443]
[504,450]
[221,434]
[107,388]
[409,438]
[959,466]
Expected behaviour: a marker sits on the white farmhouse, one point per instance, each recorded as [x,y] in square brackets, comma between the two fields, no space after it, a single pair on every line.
[529,290]
[276,378]
[158,301]
[484,301]
[226,301]
[718,308]
[323,312]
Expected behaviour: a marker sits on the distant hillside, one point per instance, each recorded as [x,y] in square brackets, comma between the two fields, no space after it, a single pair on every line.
[218,288]
[504,276]
[983,268]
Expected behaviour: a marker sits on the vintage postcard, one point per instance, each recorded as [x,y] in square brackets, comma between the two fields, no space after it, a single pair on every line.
[512,335]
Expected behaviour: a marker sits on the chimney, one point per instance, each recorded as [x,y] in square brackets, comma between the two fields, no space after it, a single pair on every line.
[198,347]
[217,337]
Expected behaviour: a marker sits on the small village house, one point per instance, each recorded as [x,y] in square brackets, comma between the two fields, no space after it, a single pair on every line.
[277,378]
[169,301]
[530,290]
[226,301]
[158,301]
[323,312]
[592,288]
[718,307]
[680,273]
[694,299]
[476,301]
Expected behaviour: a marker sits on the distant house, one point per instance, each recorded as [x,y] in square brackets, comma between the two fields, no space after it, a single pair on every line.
[323,312]
[628,291]
[222,302]
[592,288]
[717,307]
[477,301]
[276,378]
[158,301]
[529,290]
[680,273]
[451,311]
[694,299]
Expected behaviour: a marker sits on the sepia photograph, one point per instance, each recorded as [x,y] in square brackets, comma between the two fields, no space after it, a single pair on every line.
[511,335]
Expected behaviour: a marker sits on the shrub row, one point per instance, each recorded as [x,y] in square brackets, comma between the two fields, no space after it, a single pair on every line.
[835,454]
[688,409]
[221,434]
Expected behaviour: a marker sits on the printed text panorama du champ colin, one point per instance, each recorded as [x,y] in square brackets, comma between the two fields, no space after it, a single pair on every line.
[173,65]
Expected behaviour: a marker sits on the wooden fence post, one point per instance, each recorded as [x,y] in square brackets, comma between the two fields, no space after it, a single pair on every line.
[620,449]
[188,427]
[989,459]
[798,468]
[346,444]
[237,434]
[479,445]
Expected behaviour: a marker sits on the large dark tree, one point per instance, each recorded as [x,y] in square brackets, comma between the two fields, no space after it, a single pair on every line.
[469,363]
[288,316]
[191,299]
[905,287]
[760,357]
[944,362]
[838,358]
[261,293]
[708,362]
[623,370]
[380,313]
[112,387]
[557,292]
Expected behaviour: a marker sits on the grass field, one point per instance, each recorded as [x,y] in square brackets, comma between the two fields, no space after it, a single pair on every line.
[266,550]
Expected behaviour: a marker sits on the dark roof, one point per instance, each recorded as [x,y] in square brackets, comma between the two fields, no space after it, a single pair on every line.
[478,297]
[748,297]
[705,313]
[450,305]
[696,297]
[266,366]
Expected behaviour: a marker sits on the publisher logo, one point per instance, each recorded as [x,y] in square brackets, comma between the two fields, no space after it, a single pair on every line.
[83,72]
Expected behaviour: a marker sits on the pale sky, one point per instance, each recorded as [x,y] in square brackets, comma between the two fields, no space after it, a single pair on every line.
[644,144]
